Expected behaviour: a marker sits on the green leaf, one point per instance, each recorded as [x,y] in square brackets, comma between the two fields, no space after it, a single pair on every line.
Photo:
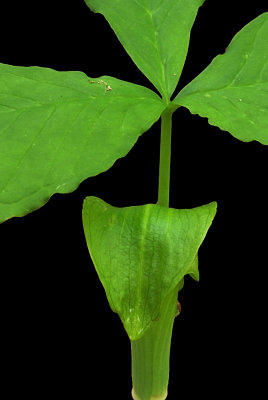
[142,253]
[59,128]
[232,92]
[155,33]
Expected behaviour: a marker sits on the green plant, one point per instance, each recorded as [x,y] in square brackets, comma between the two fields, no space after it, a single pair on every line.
[120,112]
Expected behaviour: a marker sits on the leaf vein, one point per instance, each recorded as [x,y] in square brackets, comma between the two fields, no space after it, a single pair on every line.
[27,150]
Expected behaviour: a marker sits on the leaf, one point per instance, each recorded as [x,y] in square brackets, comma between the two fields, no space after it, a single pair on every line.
[232,92]
[155,33]
[59,128]
[142,253]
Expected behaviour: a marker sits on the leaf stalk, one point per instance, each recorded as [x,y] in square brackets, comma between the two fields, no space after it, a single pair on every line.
[165,157]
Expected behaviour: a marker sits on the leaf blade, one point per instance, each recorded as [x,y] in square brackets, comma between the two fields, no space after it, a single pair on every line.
[154,33]
[59,128]
[232,92]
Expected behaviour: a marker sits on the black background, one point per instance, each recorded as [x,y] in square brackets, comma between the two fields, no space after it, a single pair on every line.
[58,334]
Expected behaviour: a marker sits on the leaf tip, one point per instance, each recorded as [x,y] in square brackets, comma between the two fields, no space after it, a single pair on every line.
[90,6]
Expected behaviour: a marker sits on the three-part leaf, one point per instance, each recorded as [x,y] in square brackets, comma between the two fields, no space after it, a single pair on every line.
[155,33]
[142,253]
[232,92]
[59,128]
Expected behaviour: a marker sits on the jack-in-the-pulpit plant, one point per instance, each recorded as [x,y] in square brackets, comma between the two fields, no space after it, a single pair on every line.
[59,128]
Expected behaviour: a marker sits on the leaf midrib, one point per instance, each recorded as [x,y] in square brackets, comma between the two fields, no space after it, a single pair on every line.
[222,88]
[71,100]
[157,47]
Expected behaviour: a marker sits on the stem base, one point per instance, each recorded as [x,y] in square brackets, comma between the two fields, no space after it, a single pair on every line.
[135,397]
[150,354]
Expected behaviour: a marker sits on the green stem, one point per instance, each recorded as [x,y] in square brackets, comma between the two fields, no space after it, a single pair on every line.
[165,158]
[150,355]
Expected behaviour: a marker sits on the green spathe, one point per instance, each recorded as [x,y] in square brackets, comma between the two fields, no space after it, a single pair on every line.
[142,253]
[155,34]
[59,128]
[232,92]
